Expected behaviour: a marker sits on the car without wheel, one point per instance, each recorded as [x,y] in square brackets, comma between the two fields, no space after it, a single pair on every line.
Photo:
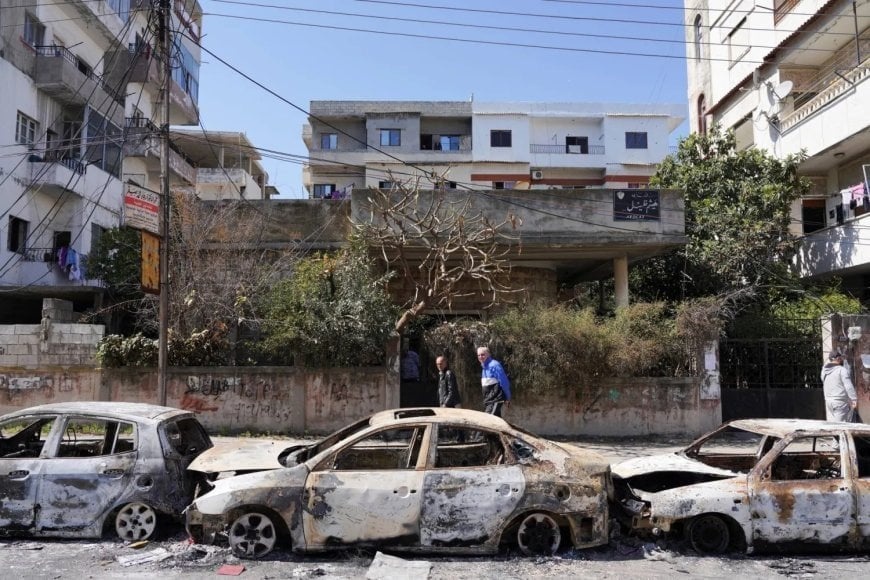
[426,480]
[755,484]
[76,470]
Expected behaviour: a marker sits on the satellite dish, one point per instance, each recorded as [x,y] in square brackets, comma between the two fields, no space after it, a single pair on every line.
[783,89]
[759,114]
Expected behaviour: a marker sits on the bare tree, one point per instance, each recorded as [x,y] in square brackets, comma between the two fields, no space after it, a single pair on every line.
[441,246]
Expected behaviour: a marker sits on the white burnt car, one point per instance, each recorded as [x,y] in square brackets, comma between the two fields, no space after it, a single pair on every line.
[756,484]
[414,480]
[77,469]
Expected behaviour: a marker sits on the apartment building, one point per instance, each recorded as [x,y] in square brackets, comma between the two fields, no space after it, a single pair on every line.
[788,78]
[469,144]
[227,165]
[79,112]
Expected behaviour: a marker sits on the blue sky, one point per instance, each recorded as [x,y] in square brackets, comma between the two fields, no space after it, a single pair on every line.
[315,62]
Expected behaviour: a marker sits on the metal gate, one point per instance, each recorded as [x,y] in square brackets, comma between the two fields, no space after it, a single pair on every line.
[772,377]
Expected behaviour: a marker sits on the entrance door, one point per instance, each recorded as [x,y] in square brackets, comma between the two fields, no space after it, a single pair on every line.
[801,493]
[368,492]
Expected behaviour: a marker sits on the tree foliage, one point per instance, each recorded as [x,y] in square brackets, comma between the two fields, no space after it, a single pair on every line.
[738,210]
[332,311]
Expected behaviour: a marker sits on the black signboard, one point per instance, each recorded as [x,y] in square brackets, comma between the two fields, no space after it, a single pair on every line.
[636,204]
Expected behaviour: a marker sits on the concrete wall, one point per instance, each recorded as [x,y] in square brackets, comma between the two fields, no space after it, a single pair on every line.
[283,400]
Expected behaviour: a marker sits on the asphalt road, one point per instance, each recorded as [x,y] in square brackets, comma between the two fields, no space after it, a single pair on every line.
[623,558]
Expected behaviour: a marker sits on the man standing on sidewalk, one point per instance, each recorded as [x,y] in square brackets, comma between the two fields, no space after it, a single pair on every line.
[495,383]
[840,396]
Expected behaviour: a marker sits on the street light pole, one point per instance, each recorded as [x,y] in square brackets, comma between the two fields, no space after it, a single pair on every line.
[163,316]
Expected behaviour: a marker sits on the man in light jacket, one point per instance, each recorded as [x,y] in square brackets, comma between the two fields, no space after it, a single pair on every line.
[840,396]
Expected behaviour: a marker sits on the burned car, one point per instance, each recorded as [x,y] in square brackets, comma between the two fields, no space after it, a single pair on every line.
[755,484]
[411,480]
[78,469]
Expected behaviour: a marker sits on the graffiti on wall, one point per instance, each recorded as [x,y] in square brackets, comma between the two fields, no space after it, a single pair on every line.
[244,398]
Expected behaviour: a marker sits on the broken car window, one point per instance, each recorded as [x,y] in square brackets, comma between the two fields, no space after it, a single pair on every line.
[396,448]
[862,453]
[96,437]
[465,447]
[24,436]
[808,458]
[730,448]
[187,437]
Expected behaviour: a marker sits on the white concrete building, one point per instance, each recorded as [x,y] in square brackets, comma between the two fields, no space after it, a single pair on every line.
[792,77]
[467,144]
[79,79]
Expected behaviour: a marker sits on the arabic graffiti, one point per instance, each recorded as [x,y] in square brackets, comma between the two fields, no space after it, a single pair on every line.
[636,204]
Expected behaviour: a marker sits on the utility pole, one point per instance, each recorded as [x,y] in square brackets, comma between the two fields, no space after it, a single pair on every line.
[163,316]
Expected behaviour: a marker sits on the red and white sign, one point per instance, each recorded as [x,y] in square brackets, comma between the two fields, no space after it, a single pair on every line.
[141,209]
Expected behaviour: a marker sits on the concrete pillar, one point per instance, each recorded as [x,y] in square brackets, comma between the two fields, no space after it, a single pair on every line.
[620,280]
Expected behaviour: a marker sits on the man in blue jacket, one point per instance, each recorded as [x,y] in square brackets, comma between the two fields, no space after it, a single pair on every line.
[495,383]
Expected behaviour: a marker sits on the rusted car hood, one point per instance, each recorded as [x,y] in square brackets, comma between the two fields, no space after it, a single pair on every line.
[247,455]
[666,462]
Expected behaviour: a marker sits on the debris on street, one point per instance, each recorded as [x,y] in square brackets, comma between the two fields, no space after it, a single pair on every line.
[155,555]
[385,567]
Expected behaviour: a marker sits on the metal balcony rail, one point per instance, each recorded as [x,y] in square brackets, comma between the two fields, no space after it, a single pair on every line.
[54,51]
[38,255]
[61,156]
[140,123]
[822,92]
[551,149]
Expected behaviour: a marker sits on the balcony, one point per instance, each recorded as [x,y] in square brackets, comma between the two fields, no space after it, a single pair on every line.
[823,93]
[571,156]
[61,75]
[135,64]
[550,149]
[143,140]
[55,172]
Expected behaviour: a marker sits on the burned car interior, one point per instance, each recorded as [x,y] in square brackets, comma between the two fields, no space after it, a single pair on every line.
[24,437]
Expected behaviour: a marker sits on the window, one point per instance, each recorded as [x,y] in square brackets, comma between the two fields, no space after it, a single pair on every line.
[702,115]
[499,138]
[95,437]
[503,184]
[34,31]
[329,141]
[449,143]
[24,436]
[391,137]
[635,140]
[738,42]
[396,448]
[635,186]
[698,37]
[386,185]
[25,130]
[808,458]
[17,240]
[103,143]
[323,190]
[187,437]
[577,145]
[464,447]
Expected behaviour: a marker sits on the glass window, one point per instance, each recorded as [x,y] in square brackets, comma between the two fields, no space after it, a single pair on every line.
[698,37]
[25,130]
[17,238]
[738,42]
[503,184]
[391,137]
[90,437]
[24,436]
[449,143]
[465,447]
[396,448]
[34,31]
[635,140]
[323,190]
[386,185]
[329,141]
[103,141]
[500,138]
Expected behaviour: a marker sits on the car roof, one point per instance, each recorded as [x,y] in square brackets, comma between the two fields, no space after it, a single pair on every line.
[439,415]
[130,411]
[782,427]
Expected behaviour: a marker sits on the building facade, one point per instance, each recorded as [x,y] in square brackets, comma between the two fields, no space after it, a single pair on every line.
[787,79]
[476,145]
[80,110]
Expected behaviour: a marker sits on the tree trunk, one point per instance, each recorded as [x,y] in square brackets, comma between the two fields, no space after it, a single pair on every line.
[409,315]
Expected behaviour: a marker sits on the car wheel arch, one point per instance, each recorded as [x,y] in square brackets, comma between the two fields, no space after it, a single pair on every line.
[280,524]
[737,538]
[507,535]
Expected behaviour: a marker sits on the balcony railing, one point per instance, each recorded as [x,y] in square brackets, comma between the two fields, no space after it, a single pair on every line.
[781,8]
[140,123]
[823,92]
[61,157]
[59,52]
[38,255]
[550,149]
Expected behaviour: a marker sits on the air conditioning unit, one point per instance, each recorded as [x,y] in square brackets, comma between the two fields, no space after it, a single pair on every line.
[537,174]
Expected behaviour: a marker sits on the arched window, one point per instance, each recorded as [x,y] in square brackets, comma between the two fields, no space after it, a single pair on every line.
[698,37]
[702,115]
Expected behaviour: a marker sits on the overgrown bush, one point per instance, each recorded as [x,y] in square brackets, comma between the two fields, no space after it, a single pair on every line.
[545,348]
[131,351]
[204,348]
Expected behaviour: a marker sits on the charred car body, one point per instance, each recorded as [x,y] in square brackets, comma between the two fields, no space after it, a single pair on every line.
[756,484]
[75,469]
[411,479]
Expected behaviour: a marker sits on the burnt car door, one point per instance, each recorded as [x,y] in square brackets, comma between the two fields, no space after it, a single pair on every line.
[22,458]
[88,471]
[861,479]
[470,488]
[183,440]
[801,492]
[367,492]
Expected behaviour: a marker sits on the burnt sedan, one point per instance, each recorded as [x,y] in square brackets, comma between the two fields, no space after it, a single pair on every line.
[411,480]
[756,484]
[77,469]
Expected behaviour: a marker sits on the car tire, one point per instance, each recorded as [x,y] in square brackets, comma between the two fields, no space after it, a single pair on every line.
[252,535]
[135,522]
[538,534]
[709,534]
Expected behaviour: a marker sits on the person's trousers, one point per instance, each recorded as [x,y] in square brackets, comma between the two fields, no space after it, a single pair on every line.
[838,411]
[494,408]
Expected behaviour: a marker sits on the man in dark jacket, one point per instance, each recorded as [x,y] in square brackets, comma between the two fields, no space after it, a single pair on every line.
[448,389]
